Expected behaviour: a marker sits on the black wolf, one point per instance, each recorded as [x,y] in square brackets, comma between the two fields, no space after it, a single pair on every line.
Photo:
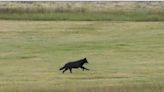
[75,64]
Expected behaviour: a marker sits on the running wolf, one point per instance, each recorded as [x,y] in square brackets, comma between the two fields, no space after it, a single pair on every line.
[75,64]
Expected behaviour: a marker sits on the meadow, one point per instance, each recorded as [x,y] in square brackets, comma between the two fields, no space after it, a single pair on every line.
[123,42]
[124,56]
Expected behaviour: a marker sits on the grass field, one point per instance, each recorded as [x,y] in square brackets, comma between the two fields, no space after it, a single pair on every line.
[123,56]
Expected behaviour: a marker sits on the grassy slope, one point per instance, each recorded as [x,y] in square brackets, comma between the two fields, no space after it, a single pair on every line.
[123,56]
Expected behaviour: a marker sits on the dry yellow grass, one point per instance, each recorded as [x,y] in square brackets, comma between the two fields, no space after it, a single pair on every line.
[80,6]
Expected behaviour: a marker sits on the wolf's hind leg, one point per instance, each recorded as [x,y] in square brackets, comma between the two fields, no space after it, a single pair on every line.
[70,69]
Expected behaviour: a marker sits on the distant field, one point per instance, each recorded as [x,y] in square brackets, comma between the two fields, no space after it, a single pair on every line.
[83,11]
[123,56]
[113,16]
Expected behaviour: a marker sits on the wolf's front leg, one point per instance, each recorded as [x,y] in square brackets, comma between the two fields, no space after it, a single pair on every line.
[65,70]
[83,68]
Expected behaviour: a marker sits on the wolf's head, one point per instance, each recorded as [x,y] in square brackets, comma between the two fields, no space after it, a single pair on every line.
[85,60]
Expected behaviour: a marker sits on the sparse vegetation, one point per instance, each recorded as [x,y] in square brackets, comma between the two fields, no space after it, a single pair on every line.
[92,11]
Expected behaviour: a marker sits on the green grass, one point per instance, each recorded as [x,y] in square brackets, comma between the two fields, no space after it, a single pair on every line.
[123,56]
[87,16]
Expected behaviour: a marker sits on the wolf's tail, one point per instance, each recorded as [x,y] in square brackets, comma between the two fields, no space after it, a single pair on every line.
[62,68]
